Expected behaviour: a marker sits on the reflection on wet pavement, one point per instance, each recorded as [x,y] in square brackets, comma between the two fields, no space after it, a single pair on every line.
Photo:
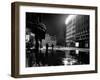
[61,57]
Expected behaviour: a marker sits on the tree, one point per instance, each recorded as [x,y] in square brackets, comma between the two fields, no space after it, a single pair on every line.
[39,29]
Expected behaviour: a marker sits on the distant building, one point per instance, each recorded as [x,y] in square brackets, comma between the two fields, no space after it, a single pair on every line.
[77,31]
[50,40]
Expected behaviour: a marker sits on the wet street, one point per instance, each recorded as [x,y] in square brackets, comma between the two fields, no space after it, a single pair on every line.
[61,56]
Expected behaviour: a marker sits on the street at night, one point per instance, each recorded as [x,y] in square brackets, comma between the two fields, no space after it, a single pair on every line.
[57,39]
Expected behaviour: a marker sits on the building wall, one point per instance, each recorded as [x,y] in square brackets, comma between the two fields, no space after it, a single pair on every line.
[77,31]
[82,31]
[70,31]
[50,40]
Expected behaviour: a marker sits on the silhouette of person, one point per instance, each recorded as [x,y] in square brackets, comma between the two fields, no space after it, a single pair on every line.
[46,54]
[52,49]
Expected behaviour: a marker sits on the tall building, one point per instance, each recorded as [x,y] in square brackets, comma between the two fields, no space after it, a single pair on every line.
[77,31]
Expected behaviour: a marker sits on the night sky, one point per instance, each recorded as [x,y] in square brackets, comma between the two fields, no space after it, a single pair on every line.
[55,24]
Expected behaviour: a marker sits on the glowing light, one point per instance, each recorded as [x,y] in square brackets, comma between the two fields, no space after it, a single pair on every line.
[77,51]
[77,44]
[69,18]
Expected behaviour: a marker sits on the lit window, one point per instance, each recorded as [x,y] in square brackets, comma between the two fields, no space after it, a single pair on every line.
[77,44]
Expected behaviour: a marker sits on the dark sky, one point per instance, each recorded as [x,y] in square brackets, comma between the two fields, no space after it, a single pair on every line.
[55,24]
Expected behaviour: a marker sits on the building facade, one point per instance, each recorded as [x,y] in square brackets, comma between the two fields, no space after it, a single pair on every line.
[77,31]
[50,40]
